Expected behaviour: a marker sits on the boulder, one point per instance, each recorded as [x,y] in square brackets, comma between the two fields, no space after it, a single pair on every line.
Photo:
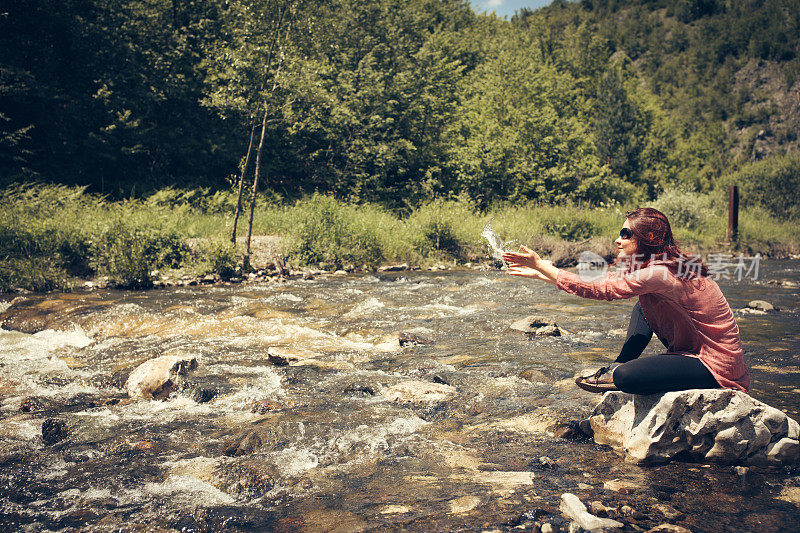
[534,326]
[158,377]
[720,425]
[761,305]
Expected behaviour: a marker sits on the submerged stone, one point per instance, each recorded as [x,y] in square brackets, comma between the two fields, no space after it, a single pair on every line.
[415,391]
[720,425]
[35,314]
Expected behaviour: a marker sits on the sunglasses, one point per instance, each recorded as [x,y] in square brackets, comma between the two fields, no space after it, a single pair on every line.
[625,233]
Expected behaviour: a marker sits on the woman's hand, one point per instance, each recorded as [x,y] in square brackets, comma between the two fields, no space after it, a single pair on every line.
[525,257]
[527,264]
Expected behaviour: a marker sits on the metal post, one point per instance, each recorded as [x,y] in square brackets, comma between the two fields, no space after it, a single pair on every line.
[733,213]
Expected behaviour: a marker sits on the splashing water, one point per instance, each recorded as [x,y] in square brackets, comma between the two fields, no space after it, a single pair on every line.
[495,244]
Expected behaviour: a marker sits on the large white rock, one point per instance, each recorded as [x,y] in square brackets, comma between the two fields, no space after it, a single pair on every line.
[158,377]
[721,425]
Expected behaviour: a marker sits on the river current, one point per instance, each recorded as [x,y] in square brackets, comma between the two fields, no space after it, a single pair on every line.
[334,453]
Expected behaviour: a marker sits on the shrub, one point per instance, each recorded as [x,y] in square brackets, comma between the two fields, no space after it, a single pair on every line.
[121,253]
[685,209]
[773,183]
[220,257]
[128,252]
[445,228]
[328,231]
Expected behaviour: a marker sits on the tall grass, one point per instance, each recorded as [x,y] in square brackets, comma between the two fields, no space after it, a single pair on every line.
[51,234]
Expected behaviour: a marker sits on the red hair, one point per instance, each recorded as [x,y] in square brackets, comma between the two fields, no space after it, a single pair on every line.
[654,240]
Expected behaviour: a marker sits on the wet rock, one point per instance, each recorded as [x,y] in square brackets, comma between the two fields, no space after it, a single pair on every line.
[243,444]
[158,378]
[246,478]
[569,430]
[630,512]
[761,305]
[668,528]
[261,407]
[441,380]
[597,508]
[534,326]
[668,512]
[281,356]
[410,339]
[77,402]
[265,436]
[393,268]
[54,430]
[572,506]
[31,404]
[534,376]
[546,462]
[464,504]
[418,392]
[359,389]
[200,395]
[623,487]
[719,425]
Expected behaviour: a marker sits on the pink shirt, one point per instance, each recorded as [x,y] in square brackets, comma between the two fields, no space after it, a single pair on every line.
[691,316]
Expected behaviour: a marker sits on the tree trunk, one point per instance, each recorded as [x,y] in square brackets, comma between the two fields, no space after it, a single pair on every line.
[241,183]
[257,174]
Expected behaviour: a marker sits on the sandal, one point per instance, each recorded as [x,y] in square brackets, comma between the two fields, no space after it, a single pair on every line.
[600,381]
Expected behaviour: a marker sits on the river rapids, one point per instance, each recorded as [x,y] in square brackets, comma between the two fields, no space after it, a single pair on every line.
[246,445]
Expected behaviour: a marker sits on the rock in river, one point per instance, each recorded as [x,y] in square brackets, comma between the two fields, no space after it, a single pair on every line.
[534,326]
[158,377]
[761,305]
[721,425]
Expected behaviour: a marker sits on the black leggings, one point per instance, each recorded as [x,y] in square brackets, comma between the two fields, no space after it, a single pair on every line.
[661,373]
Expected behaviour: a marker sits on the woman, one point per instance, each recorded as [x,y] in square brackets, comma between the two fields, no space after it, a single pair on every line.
[677,301]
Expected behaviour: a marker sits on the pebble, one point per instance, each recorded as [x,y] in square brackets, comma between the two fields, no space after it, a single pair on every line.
[546,462]
[669,512]
[547,527]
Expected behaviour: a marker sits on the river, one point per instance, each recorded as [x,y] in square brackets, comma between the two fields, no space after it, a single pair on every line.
[334,454]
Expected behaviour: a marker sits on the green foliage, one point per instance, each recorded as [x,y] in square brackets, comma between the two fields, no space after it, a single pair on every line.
[443,228]
[124,254]
[325,230]
[773,183]
[571,229]
[218,256]
[685,208]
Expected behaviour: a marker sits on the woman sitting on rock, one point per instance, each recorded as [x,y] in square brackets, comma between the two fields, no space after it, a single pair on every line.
[677,301]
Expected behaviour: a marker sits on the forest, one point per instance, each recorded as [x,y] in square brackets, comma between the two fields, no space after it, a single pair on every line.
[400,105]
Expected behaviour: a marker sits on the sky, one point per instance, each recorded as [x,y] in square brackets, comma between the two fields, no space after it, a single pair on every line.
[506,8]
